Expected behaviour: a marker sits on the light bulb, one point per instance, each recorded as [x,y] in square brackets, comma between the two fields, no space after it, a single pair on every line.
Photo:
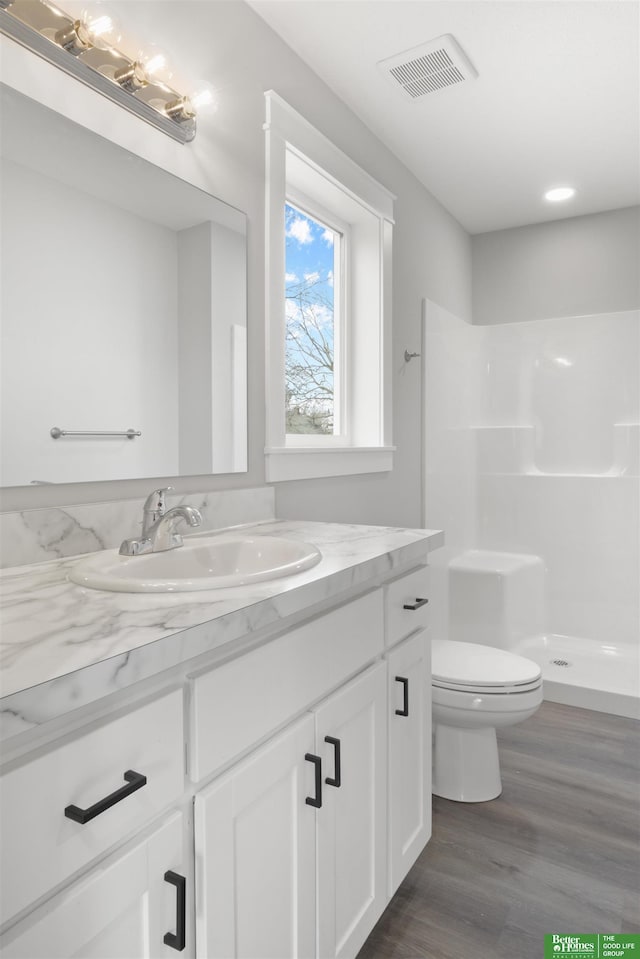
[155,64]
[143,70]
[81,35]
[186,108]
[559,193]
[100,26]
[103,29]
[203,98]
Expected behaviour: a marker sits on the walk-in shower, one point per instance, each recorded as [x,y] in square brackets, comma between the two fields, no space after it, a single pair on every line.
[531,440]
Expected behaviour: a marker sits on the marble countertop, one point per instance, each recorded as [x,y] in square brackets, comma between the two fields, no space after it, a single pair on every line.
[63,646]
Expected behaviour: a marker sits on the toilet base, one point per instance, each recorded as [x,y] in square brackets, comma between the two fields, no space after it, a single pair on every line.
[466,767]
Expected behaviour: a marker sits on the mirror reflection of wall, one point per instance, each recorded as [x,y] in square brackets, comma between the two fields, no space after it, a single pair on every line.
[123,306]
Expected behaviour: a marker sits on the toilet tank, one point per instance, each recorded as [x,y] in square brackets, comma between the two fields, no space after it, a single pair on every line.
[497,599]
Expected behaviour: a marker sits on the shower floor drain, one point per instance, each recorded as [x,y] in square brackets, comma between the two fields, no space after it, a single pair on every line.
[559,662]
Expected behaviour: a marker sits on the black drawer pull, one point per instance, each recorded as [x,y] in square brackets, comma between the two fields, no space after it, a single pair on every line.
[177,940]
[135,781]
[337,776]
[405,693]
[418,603]
[317,799]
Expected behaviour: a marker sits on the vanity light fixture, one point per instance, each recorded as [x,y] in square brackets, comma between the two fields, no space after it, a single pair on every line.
[181,109]
[85,49]
[187,107]
[132,77]
[80,35]
[137,74]
[560,193]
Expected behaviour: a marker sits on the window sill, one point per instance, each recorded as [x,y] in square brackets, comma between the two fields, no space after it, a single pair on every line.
[289,463]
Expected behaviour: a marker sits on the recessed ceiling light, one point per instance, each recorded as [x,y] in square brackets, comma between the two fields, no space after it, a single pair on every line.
[559,193]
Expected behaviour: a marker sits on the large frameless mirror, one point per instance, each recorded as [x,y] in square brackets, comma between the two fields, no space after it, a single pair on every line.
[123,334]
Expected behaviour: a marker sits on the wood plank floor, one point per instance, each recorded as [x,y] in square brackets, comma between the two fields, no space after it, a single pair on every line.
[558,851]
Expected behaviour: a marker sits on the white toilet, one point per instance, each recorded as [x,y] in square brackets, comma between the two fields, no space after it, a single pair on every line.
[476,689]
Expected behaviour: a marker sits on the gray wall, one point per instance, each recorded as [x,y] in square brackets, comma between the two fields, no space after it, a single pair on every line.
[572,267]
[227,43]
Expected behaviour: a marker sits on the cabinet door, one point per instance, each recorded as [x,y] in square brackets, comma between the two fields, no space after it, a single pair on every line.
[122,909]
[352,821]
[409,678]
[255,855]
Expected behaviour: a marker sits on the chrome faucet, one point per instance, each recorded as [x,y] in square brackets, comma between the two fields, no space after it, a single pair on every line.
[158,525]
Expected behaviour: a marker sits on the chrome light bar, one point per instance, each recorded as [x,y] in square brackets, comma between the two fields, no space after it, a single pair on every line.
[81,49]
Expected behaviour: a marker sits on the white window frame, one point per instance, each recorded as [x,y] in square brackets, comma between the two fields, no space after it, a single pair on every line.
[292,143]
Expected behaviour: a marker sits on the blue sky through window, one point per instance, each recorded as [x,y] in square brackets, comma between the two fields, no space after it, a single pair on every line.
[310,321]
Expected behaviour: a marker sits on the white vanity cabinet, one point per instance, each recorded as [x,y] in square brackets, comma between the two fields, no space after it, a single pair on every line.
[300,845]
[303,759]
[134,905]
[303,816]
[312,801]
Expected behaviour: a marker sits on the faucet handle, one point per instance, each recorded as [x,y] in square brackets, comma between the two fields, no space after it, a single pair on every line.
[154,502]
[154,507]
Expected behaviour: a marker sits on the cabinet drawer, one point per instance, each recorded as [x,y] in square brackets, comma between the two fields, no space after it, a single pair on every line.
[239,703]
[42,846]
[123,908]
[409,590]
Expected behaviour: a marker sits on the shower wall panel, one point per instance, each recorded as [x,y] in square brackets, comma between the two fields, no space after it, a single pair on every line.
[532,441]
[560,478]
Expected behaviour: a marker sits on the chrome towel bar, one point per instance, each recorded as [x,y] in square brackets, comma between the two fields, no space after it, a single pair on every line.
[56,433]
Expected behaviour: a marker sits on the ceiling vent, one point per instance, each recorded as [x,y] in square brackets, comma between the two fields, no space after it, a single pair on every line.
[430,67]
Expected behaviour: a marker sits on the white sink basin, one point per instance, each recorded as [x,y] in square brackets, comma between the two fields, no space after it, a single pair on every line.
[205,563]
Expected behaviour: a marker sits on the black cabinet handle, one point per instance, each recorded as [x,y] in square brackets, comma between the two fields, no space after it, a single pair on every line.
[337,777]
[317,799]
[135,781]
[405,692]
[177,940]
[418,603]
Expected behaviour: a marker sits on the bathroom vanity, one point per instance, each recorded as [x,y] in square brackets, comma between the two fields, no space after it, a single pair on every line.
[228,773]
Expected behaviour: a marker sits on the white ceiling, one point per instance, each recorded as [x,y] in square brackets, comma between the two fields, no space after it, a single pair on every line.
[557,100]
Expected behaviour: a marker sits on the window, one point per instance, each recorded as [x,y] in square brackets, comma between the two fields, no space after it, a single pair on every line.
[328,304]
[314,332]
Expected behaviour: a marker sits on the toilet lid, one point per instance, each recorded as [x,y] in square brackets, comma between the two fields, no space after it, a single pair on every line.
[469,664]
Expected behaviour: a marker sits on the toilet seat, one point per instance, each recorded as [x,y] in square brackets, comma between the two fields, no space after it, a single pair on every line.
[510,689]
[483,708]
[473,668]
